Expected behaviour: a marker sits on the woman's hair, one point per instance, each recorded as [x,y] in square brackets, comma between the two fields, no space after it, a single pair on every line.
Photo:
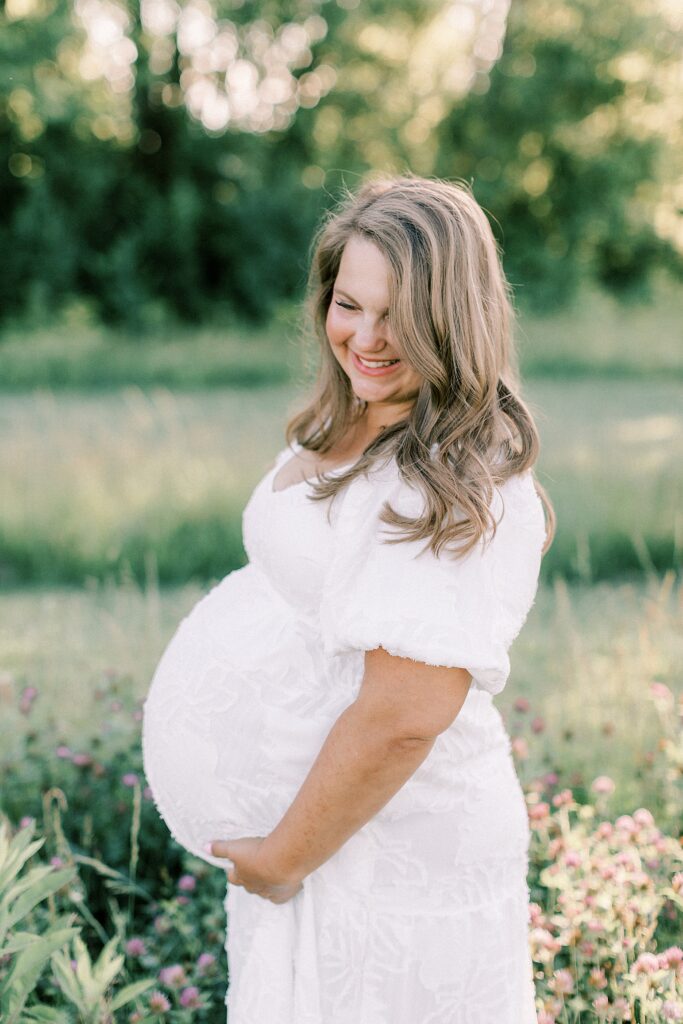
[451,317]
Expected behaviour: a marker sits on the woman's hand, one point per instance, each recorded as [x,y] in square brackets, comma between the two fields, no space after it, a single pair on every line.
[250,871]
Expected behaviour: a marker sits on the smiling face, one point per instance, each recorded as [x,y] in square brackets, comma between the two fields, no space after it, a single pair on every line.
[360,335]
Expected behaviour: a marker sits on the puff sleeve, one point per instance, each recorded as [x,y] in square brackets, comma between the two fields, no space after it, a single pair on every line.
[461,612]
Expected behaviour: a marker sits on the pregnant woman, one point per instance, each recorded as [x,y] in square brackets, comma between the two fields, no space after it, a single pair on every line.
[322,724]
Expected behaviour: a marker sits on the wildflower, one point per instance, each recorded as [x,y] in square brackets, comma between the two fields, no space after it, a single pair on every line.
[551,778]
[56,862]
[182,900]
[536,914]
[135,1017]
[603,784]
[147,793]
[555,846]
[553,1007]
[643,817]
[647,963]
[187,883]
[161,924]
[520,747]
[521,704]
[660,691]
[539,812]
[597,978]
[64,752]
[173,976]
[626,823]
[26,821]
[205,962]
[28,695]
[672,1010]
[136,947]
[81,759]
[537,724]
[672,956]
[545,943]
[189,998]
[565,796]
[158,1003]
[129,779]
[563,982]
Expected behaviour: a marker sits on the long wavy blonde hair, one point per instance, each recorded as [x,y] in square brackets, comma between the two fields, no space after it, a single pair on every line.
[451,315]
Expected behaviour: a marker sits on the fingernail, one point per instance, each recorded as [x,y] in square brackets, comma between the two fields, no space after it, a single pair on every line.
[207,848]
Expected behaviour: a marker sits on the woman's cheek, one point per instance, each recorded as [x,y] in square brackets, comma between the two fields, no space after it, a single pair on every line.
[335,327]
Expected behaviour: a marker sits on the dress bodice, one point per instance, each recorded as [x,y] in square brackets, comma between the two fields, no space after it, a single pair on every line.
[289,536]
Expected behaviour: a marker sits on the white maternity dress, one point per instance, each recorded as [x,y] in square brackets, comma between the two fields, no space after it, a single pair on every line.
[422,916]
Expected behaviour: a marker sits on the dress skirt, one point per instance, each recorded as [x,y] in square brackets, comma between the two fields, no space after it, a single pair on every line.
[422,919]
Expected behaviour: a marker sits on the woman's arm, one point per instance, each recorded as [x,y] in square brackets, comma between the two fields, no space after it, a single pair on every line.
[373,748]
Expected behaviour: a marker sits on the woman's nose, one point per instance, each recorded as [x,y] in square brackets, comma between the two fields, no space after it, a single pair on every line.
[371,334]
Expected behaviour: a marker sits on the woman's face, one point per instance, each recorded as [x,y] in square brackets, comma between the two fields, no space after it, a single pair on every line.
[359,332]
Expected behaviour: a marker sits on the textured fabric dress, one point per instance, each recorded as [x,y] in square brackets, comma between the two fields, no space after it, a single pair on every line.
[421,917]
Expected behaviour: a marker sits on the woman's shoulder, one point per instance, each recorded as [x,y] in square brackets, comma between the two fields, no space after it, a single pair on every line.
[515,497]
[515,506]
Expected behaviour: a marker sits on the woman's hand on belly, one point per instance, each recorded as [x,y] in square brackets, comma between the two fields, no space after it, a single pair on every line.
[248,870]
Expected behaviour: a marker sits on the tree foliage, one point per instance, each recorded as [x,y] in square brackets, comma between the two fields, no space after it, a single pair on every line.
[183,166]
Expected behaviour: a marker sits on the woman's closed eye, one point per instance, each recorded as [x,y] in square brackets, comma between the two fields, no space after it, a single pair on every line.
[346,305]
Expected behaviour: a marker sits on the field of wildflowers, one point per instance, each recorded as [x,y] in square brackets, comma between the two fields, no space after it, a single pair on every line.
[103,918]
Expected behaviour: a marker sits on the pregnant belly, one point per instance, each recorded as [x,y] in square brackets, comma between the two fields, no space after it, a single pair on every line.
[235,715]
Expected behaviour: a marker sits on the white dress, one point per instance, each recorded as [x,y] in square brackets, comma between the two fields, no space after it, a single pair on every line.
[421,917]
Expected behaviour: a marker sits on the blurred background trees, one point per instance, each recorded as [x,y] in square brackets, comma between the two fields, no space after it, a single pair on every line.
[161,159]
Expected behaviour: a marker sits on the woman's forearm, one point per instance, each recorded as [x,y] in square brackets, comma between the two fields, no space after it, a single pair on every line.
[359,768]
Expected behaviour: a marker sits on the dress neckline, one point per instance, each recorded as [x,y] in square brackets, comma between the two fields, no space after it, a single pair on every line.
[305,480]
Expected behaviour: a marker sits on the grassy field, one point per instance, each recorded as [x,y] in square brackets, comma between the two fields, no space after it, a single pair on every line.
[600,337]
[153,483]
[584,660]
[596,337]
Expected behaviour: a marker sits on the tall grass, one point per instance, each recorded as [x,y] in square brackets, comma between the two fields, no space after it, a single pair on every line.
[596,337]
[153,482]
[88,357]
[600,337]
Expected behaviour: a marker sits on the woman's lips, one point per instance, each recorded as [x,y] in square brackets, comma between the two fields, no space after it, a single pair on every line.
[377,371]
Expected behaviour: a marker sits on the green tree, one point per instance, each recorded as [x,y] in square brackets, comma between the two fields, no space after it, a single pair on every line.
[182,159]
